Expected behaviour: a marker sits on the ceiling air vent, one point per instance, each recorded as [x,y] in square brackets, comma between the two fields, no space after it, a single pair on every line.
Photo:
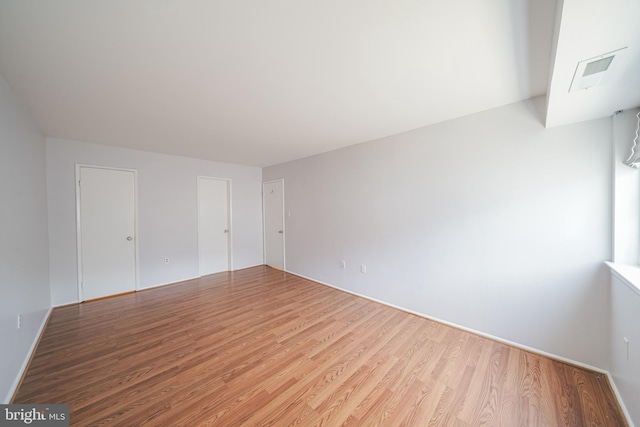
[596,71]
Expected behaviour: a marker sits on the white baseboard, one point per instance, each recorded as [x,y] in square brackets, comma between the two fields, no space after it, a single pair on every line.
[491,337]
[190,278]
[248,266]
[157,285]
[620,401]
[25,363]
[464,328]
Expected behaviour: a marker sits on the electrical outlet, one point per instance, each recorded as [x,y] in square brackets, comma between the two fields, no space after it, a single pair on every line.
[166,260]
[19,320]
[343,264]
[626,346]
[363,268]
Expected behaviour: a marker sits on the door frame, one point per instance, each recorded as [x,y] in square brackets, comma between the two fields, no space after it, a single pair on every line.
[79,223]
[229,220]
[264,228]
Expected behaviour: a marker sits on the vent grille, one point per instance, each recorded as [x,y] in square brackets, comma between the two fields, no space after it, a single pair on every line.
[596,71]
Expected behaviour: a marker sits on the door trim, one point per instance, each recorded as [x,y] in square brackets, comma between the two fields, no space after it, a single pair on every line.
[79,224]
[264,228]
[229,220]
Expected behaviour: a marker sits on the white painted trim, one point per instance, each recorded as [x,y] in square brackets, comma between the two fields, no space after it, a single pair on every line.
[64,304]
[192,278]
[229,221]
[12,390]
[620,401]
[249,266]
[157,285]
[26,361]
[78,234]
[494,338]
[284,227]
[174,282]
[79,225]
[463,328]
[135,224]
[628,274]
[171,283]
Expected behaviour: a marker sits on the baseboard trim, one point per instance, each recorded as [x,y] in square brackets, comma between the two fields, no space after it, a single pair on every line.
[27,361]
[249,266]
[463,328]
[191,278]
[491,337]
[167,283]
[108,296]
[139,289]
[626,413]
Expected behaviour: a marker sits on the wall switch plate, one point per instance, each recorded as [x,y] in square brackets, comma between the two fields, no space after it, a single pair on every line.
[19,321]
[166,260]
[343,264]
[363,268]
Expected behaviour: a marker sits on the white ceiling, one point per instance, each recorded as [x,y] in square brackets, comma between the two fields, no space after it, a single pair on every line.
[587,29]
[260,82]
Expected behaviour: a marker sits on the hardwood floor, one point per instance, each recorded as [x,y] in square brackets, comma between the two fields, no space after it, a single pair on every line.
[261,347]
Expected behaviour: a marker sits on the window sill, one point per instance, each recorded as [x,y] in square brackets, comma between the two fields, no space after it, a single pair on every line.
[629,275]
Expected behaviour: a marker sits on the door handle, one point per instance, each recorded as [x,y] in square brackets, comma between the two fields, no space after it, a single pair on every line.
[280,232]
[226,231]
[129,238]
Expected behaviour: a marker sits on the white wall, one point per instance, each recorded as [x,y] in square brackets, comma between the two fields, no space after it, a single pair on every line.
[626,193]
[625,278]
[24,246]
[625,318]
[167,212]
[489,221]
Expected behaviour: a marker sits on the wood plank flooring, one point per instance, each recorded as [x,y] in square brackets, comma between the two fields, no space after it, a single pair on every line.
[260,347]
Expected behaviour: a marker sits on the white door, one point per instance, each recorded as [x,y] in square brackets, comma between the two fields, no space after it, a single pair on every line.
[273,206]
[107,247]
[213,225]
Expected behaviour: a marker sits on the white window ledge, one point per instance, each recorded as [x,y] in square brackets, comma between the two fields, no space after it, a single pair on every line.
[629,274]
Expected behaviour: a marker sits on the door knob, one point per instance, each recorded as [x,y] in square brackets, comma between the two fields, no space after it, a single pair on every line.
[129,238]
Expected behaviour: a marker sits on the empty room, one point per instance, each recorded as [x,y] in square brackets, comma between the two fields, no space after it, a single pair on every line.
[388,213]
